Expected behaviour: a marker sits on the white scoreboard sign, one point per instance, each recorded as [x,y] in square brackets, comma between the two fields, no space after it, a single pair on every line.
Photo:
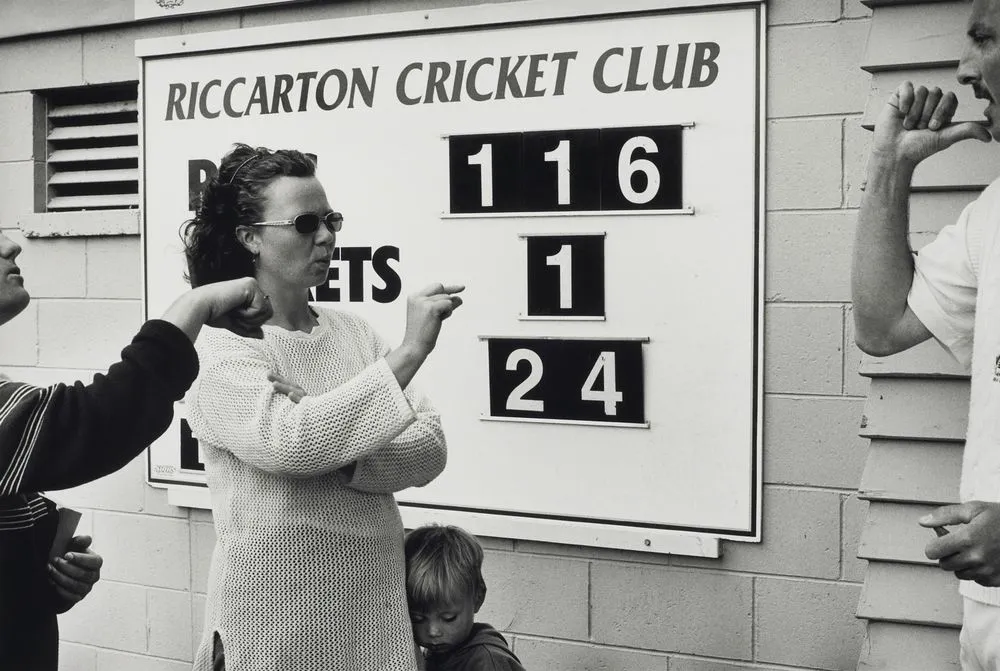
[593,176]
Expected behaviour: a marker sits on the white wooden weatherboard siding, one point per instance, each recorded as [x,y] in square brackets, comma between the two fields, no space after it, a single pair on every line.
[917,405]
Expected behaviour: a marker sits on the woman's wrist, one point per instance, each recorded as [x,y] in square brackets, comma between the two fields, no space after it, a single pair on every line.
[404,361]
[412,353]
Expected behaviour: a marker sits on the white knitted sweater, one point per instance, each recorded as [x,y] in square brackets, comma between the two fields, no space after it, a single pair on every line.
[308,570]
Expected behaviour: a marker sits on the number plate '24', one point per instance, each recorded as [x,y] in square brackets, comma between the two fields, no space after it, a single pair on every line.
[567,380]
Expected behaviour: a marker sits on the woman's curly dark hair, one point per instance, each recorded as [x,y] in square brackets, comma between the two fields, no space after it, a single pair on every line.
[233,197]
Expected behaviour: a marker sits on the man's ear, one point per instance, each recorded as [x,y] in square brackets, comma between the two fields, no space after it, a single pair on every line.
[248,237]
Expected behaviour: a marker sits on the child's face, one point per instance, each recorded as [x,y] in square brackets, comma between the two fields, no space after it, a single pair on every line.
[444,625]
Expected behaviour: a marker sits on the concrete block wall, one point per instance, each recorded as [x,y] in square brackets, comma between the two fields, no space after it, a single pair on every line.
[787,603]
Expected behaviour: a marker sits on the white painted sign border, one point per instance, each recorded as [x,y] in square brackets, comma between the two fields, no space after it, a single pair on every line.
[503,526]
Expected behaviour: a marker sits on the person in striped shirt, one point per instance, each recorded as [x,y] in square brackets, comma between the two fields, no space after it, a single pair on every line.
[66,435]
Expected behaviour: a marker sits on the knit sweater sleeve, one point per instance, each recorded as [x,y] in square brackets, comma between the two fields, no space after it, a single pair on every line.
[65,435]
[234,407]
[411,459]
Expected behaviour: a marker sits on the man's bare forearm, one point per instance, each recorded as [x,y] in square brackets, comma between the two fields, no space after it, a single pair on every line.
[882,269]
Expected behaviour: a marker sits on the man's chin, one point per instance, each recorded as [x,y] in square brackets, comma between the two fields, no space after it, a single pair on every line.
[13,304]
[991,123]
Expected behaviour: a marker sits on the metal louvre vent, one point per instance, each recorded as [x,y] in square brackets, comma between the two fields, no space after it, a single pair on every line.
[93,148]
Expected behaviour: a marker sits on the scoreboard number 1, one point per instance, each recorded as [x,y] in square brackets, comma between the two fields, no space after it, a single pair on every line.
[563,259]
[567,380]
[565,276]
[560,155]
[484,159]
[581,170]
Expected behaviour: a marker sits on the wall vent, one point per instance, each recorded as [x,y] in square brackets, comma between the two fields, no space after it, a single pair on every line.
[93,148]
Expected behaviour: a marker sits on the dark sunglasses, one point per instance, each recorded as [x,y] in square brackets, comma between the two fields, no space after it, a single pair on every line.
[308,222]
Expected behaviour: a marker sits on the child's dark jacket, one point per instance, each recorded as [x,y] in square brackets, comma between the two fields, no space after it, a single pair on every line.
[63,436]
[485,650]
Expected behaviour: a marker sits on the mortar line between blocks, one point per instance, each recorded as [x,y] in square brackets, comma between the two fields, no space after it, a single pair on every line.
[801,305]
[839,21]
[843,162]
[810,488]
[845,310]
[100,648]
[818,116]
[590,600]
[753,618]
[86,268]
[795,396]
[146,629]
[843,537]
[668,656]
[802,211]
[689,568]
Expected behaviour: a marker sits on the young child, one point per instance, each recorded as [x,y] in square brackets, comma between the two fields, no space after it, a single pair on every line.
[445,588]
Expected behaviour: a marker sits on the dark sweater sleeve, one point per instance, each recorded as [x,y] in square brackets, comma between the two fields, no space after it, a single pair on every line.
[488,658]
[65,435]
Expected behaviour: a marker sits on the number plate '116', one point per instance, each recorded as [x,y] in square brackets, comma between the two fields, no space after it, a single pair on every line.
[595,169]
[567,380]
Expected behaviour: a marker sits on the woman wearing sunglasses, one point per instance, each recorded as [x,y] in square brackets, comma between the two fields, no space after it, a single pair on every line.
[305,434]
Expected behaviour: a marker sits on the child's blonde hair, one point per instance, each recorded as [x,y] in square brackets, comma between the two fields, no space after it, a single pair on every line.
[443,564]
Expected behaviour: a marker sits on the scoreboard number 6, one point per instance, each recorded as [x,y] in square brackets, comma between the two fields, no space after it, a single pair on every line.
[629,166]
[567,380]
[579,170]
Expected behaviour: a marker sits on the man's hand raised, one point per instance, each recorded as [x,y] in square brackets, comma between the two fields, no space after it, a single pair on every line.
[238,305]
[915,123]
